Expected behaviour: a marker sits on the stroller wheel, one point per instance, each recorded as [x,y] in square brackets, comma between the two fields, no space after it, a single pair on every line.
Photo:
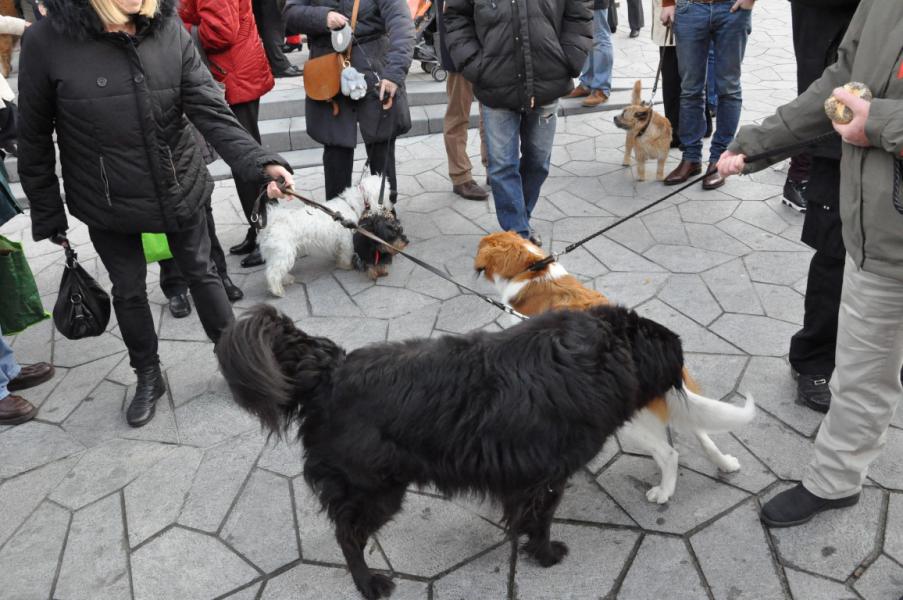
[439,74]
[427,67]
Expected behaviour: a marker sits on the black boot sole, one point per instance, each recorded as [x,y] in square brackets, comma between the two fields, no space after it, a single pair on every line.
[839,503]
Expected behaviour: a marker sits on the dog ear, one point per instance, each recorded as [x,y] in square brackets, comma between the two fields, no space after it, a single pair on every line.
[637,92]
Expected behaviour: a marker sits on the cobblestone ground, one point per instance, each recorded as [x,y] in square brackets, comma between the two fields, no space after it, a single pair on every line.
[198,505]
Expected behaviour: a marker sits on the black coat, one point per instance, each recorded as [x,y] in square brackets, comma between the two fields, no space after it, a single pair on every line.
[118,105]
[383,47]
[444,55]
[519,53]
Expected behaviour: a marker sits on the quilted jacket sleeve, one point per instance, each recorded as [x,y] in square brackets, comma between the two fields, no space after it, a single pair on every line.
[301,17]
[463,44]
[219,24]
[37,157]
[205,105]
[577,32]
[400,28]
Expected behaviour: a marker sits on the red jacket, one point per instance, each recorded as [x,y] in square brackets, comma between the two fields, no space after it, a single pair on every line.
[229,35]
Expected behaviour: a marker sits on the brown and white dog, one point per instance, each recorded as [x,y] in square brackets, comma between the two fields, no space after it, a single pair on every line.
[648,134]
[505,258]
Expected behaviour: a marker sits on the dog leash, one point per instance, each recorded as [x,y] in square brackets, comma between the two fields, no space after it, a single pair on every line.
[348,224]
[669,39]
[785,150]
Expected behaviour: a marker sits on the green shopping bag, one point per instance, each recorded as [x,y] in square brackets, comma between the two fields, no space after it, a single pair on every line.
[156,247]
[20,302]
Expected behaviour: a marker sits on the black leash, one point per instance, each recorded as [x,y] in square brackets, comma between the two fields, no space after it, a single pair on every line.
[788,150]
[348,224]
[669,38]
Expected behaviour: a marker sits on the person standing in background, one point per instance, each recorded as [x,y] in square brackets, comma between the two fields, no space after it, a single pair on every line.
[227,34]
[457,122]
[635,17]
[818,28]
[595,79]
[696,25]
[271,28]
[521,57]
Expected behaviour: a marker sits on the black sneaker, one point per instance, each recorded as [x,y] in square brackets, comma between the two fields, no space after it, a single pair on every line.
[794,195]
[813,391]
[535,237]
[798,505]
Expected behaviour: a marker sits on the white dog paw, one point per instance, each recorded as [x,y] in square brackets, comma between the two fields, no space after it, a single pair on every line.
[288,279]
[657,495]
[729,464]
[279,292]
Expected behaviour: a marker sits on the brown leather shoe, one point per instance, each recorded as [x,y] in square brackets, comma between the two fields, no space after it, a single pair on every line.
[15,410]
[470,190]
[684,171]
[712,179]
[596,98]
[31,376]
[579,92]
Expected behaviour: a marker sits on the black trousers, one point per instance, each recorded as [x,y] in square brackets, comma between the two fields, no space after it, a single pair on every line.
[247,114]
[812,347]
[635,14]
[671,88]
[172,282]
[271,28]
[123,256]
[338,165]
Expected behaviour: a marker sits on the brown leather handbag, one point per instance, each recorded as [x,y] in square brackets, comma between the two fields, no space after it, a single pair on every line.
[323,75]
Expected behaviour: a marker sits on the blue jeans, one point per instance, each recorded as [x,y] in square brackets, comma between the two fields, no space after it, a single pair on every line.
[596,74]
[696,27]
[520,149]
[711,90]
[9,368]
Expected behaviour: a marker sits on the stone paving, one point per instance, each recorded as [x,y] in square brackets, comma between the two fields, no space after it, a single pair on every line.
[199,505]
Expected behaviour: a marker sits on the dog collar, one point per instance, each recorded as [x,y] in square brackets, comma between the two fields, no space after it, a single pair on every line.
[646,126]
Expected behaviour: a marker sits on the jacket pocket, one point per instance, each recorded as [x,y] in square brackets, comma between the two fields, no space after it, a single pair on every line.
[106,181]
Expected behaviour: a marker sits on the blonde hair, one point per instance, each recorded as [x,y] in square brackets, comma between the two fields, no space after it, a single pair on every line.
[110,13]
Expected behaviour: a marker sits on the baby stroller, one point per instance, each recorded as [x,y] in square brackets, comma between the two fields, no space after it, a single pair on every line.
[426,38]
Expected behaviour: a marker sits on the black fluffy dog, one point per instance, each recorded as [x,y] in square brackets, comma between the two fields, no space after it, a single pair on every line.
[508,415]
[371,256]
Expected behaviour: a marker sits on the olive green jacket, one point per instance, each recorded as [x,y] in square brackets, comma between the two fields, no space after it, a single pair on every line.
[871,53]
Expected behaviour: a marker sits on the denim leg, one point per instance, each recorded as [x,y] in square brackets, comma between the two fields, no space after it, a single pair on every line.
[9,368]
[596,73]
[731,32]
[537,135]
[711,90]
[502,143]
[692,32]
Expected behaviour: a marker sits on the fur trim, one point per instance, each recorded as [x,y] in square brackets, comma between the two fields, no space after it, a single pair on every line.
[76,18]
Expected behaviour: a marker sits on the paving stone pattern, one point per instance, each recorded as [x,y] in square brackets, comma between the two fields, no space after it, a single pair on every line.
[200,505]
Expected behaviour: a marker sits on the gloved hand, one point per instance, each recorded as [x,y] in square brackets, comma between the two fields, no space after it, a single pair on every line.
[60,239]
[354,85]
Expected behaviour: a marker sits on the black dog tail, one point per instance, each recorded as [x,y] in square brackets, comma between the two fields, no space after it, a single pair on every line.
[273,368]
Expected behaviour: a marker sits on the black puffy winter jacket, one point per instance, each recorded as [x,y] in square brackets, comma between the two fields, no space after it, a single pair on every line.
[118,106]
[519,53]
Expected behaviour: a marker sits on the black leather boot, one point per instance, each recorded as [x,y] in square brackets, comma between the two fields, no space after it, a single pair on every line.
[149,389]
[247,246]
[233,292]
[254,259]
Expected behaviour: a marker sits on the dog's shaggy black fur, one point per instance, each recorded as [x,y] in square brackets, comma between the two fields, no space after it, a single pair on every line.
[508,415]
[375,258]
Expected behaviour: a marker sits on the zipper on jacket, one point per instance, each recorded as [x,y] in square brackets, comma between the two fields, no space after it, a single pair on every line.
[106,181]
[172,165]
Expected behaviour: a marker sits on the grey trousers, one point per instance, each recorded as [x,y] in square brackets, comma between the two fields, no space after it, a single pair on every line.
[865,387]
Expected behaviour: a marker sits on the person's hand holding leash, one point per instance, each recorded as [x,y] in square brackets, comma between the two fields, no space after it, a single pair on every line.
[731,163]
[854,131]
[336,20]
[667,16]
[387,91]
[277,172]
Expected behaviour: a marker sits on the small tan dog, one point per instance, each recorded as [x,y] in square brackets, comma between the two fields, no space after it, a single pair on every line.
[648,134]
